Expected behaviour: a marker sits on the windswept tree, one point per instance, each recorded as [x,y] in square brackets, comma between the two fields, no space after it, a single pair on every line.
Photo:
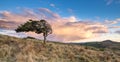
[38,27]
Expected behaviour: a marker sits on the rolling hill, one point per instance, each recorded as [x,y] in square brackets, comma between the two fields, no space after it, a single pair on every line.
[14,49]
[106,44]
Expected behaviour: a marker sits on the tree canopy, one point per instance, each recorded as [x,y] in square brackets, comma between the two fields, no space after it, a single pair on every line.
[38,27]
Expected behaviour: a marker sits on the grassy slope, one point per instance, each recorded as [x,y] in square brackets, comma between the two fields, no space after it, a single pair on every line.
[31,50]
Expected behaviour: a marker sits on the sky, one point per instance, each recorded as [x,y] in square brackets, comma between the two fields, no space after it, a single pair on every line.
[71,20]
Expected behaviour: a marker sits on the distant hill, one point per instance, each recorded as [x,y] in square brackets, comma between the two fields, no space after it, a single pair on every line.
[14,49]
[104,44]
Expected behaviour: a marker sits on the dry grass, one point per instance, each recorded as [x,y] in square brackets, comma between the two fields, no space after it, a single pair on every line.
[31,50]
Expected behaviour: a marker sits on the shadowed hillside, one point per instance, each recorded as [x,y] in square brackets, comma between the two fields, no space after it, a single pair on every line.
[104,44]
[31,50]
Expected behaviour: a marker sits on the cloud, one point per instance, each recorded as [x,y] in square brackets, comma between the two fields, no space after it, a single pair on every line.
[98,28]
[112,22]
[8,24]
[52,5]
[11,33]
[64,28]
[78,30]
[109,2]
[70,11]
[118,32]
[18,18]
[55,7]
[46,13]
[115,27]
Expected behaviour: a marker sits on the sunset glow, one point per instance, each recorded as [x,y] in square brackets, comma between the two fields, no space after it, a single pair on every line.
[71,20]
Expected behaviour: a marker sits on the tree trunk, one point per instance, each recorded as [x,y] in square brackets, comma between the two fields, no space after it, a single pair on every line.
[45,35]
[44,39]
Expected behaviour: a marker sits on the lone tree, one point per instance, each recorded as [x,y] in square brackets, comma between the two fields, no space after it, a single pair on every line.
[38,27]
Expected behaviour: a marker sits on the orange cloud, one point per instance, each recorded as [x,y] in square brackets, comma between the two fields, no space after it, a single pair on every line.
[65,29]
[78,30]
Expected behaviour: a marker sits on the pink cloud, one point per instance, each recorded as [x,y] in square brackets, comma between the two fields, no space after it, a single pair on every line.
[64,28]
[8,24]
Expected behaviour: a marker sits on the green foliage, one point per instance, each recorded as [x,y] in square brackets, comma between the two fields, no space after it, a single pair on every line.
[36,26]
